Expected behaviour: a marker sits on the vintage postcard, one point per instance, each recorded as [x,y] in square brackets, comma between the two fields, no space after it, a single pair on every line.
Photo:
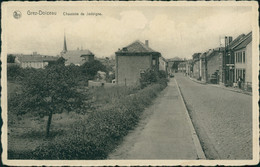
[130,83]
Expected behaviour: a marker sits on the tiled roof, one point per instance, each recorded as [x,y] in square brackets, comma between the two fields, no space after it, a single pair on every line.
[235,42]
[76,56]
[137,47]
[245,41]
[36,58]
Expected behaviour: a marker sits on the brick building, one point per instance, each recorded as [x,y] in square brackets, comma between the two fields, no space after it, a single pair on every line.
[133,60]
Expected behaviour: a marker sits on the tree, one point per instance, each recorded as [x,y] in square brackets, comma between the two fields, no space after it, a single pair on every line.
[148,77]
[60,61]
[50,91]
[92,67]
[10,58]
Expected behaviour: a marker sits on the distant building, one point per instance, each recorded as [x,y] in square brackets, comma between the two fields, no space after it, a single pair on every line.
[34,60]
[173,63]
[189,67]
[76,57]
[182,67]
[133,60]
[214,65]
[196,65]
[163,64]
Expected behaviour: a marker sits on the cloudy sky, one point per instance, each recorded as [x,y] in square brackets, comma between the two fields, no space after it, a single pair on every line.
[172,30]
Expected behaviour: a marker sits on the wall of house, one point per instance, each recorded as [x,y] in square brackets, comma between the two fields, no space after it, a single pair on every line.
[33,64]
[162,64]
[249,62]
[129,68]
[196,69]
[214,63]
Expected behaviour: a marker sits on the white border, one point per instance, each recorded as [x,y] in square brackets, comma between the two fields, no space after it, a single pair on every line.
[255,68]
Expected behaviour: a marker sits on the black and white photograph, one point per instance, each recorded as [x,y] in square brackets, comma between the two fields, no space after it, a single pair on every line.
[130,83]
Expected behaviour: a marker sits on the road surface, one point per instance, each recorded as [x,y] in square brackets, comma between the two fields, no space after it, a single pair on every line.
[222,119]
[163,132]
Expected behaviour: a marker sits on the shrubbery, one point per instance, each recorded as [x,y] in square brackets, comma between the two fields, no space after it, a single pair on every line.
[101,131]
[152,76]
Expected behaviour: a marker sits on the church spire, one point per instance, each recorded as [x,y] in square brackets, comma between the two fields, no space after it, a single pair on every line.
[65,44]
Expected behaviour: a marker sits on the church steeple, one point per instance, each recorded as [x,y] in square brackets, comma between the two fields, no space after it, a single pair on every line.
[65,44]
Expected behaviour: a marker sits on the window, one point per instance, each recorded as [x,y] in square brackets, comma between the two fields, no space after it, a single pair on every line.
[154,62]
[244,57]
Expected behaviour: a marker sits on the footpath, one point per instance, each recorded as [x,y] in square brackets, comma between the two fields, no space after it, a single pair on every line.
[167,133]
[223,87]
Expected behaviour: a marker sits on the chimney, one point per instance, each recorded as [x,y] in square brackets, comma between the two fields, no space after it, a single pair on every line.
[147,43]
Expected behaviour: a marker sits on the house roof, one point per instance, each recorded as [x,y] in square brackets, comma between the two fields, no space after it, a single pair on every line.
[137,47]
[241,38]
[36,58]
[76,56]
[244,42]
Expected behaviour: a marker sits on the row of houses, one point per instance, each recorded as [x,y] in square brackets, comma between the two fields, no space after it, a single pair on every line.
[130,61]
[33,60]
[223,65]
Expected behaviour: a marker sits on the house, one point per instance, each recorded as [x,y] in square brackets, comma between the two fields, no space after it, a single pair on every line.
[34,60]
[229,59]
[133,60]
[182,67]
[189,67]
[203,66]
[163,64]
[173,63]
[196,65]
[243,59]
[76,57]
[214,65]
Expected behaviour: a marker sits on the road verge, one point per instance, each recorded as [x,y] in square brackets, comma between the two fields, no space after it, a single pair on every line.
[194,135]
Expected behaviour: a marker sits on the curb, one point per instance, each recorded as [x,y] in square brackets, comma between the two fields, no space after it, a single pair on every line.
[246,93]
[204,83]
[195,139]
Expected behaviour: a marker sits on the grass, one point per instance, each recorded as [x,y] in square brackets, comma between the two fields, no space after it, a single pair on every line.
[86,135]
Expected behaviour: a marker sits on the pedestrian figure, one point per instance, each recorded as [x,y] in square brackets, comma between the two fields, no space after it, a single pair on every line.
[239,82]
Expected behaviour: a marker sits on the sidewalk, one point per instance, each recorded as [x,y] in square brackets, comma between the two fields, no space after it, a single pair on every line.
[223,87]
[165,135]
[232,89]
[195,80]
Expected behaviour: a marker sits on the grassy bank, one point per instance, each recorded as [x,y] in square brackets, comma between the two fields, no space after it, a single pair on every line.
[93,133]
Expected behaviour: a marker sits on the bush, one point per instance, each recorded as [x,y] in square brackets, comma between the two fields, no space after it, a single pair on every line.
[98,134]
[152,76]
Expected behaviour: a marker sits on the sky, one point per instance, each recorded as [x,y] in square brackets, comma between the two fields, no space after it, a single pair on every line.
[172,30]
